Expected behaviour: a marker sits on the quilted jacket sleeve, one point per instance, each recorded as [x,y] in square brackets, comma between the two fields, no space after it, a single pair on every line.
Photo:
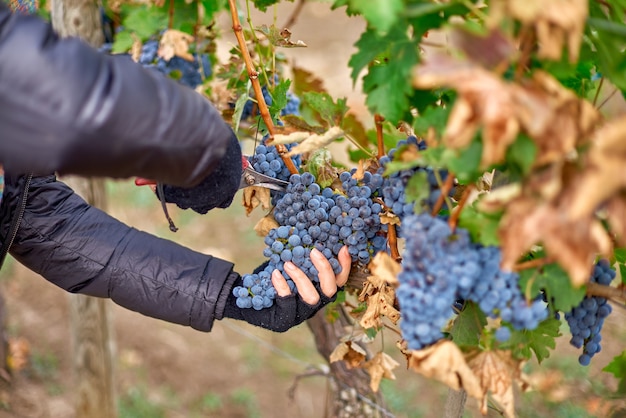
[65,107]
[83,250]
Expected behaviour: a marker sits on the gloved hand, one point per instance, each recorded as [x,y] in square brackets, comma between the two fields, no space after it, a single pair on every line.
[288,309]
[217,190]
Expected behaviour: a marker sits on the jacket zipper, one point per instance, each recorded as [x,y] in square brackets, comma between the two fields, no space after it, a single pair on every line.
[16,221]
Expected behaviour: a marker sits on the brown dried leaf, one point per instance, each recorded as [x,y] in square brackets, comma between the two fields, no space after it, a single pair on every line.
[379,304]
[381,365]
[572,243]
[484,100]
[350,352]
[603,175]
[616,215]
[389,218]
[490,50]
[385,269]
[175,43]
[497,372]
[557,23]
[254,196]
[265,225]
[304,81]
[445,362]
[280,38]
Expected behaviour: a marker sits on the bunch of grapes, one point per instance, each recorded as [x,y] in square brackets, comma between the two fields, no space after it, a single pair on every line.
[251,109]
[310,217]
[188,73]
[393,188]
[441,267]
[586,320]
[266,160]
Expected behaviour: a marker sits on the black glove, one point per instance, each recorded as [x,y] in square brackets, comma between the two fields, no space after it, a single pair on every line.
[215,191]
[285,313]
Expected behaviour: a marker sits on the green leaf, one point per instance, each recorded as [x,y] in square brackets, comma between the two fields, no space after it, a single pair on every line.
[617,367]
[239,106]
[468,326]
[145,21]
[522,153]
[556,283]
[123,42]
[320,165]
[380,14]
[622,272]
[464,163]
[325,106]
[620,255]
[417,188]
[369,46]
[538,341]
[482,227]
[279,97]
[432,117]
[387,83]
[262,5]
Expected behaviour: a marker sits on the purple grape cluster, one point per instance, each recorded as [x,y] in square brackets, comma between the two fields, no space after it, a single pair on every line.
[586,320]
[250,109]
[188,73]
[310,217]
[394,187]
[440,267]
[266,160]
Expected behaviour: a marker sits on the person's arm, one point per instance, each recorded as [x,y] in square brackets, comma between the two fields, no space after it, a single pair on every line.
[66,107]
[83,250]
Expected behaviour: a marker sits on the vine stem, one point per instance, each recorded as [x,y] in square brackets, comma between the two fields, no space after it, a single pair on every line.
[392,235]
[445,189]
[454,217]
[595,97]
[607,292]
[254,78]
[536,262]
[170,19]
[527,38]
[378,121]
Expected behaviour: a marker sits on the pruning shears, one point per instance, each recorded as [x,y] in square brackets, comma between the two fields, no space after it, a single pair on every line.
[251,177]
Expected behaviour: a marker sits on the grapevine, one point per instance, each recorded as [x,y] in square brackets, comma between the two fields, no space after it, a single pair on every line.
[485,206]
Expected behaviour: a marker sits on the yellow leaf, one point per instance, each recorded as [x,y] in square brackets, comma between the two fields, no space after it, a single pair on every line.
[381,365]
[385,268]
[265,225]
[175,43]
[254,196]
[349,352]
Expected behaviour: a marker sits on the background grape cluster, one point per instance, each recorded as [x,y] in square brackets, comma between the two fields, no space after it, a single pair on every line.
[586,320]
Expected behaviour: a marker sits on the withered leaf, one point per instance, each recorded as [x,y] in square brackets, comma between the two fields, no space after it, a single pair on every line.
[18,353]
[265,225]
[557,23]
[279,37]
[497,372]
[384,269]
[572,243]
[175,43]
[489,50]
[349,352]
[445,362]
[290,138]
[603,174]
[379,367]
[314,141]
[616,215]
[254,196]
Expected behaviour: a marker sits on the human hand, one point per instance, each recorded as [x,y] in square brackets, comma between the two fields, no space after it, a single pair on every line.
[291,309]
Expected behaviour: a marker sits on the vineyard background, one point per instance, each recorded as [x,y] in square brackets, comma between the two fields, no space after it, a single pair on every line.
[237,370]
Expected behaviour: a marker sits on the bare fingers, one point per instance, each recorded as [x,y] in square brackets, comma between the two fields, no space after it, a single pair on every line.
[306,290]
[345,260]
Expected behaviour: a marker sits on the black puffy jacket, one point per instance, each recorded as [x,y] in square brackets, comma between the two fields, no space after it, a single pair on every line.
[66,108]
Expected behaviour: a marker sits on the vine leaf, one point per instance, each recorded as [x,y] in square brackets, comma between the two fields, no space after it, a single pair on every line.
[280,37]
[379,367]
[349,352]
[574,244]
[175,43]
[557,285]
[445,362]
[254,196]
[265,225]
[603,173]
[497,372]
[617,367]
[537,340]
[378,291]
[551,115]
[557,23]
[468,326]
